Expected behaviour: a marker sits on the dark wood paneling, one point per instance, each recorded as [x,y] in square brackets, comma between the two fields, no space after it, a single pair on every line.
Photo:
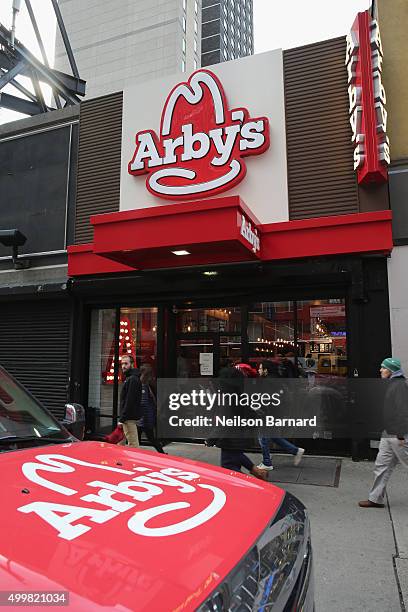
[321,178]
[100,141]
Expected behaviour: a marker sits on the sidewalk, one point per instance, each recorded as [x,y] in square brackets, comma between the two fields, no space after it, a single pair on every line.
[354,548]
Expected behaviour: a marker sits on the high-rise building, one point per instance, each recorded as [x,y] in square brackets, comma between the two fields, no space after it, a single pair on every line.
[120,41]
[227,30]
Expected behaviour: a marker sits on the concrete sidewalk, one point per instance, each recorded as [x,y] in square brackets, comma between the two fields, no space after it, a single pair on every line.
[361,555]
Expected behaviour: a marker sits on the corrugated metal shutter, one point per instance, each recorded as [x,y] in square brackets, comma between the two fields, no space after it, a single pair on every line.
[100,142]
[34,347]
[320,155]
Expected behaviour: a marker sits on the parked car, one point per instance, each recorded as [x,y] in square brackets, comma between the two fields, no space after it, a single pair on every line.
[110,527]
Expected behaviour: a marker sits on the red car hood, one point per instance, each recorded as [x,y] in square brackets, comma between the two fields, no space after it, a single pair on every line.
[124,529]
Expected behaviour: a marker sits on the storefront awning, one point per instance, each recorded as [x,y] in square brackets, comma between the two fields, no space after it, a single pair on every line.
[219,231]
[211,231]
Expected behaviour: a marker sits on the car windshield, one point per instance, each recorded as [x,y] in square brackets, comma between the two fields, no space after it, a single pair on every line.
[22,417]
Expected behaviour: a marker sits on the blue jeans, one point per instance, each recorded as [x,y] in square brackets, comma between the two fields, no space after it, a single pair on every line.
[234,460]
[284,444]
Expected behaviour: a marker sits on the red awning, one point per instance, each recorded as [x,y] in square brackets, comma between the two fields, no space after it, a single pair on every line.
[219,230]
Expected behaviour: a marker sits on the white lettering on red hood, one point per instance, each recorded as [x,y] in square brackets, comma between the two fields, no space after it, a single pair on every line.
[140,488]
[201,145]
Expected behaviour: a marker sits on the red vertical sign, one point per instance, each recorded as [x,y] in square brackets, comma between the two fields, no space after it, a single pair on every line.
[368,117]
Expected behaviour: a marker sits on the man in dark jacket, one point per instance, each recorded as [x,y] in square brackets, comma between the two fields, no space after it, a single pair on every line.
[232,454]
[130,401]
[394,442]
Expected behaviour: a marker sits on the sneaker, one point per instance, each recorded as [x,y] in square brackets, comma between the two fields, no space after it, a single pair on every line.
[298,456]
[262,466]
[258,473]
[369,504]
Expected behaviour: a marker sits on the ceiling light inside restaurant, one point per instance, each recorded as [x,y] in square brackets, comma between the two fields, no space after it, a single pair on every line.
[181,252]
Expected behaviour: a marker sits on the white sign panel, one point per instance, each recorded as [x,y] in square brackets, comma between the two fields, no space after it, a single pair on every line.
[254,85]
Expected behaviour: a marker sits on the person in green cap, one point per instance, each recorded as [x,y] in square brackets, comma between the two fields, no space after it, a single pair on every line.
[393,447]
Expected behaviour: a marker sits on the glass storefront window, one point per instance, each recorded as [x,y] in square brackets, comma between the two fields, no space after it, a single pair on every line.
[322,337]
[208,320]
[137,337]
[131,331]
[312,331]
[271,330]
[230,349]
[101,350]
[142,339]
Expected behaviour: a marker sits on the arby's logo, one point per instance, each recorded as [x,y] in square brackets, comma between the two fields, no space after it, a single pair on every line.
[201,146]
[156,502]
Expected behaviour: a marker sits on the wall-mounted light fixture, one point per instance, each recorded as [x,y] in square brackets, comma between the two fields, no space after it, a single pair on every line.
[14,238]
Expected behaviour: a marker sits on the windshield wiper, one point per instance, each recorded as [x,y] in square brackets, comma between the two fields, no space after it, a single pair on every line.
[11,439]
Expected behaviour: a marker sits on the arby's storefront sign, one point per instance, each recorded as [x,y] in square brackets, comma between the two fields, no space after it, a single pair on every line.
[367,99]
[204,169]
[251,234]
[200,136]
[202,144]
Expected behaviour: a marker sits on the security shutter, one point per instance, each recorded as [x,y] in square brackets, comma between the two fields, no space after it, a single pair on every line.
[34,347]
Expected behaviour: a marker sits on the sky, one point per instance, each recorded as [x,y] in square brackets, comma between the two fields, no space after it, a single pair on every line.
[277,24]
[292,23]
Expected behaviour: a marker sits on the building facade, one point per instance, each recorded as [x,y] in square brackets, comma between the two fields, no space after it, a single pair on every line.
[393,19]
[121,41]
[38,161]
[227,30]
[305,270]
[222,219]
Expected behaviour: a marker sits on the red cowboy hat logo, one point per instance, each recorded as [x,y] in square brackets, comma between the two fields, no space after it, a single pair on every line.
[202,143]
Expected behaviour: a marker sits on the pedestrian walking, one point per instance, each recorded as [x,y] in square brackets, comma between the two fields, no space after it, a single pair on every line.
[130,401]
[393,447]
[232,453]
[269,369]
[148,422]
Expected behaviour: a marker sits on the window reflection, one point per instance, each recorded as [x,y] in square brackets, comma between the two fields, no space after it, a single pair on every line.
[209,320]
[141,342]
[270,330]
[311,332]
[102,343]
[322,337]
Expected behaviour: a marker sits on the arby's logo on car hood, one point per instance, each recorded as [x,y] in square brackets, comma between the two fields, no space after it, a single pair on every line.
[143,489]
[105,523]
[201,146]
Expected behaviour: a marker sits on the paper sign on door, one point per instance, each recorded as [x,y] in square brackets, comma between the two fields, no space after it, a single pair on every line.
[206,364]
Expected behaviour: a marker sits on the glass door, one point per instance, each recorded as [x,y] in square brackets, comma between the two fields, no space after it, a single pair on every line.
[197,355]
[206,339]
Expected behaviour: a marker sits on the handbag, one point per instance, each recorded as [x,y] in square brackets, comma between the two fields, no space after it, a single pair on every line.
[116,436]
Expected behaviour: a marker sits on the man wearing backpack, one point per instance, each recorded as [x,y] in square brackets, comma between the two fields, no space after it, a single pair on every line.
[393,447]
